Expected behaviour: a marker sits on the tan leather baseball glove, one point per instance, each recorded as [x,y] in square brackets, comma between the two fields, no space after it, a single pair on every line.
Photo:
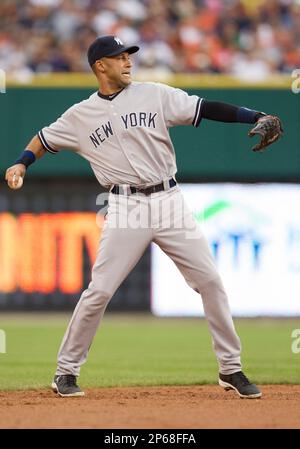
[269,128]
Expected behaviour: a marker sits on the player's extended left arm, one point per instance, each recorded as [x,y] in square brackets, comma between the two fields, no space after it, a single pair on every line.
[267,126]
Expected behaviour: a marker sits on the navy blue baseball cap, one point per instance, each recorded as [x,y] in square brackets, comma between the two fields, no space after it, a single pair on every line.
[107,46]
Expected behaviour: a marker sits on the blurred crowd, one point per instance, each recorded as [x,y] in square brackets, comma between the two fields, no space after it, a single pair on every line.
[246,38]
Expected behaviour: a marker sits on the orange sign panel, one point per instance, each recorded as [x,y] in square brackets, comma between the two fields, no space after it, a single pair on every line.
[44,252]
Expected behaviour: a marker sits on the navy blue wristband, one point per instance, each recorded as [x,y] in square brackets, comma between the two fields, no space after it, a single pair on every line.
[245,115]
[27,158]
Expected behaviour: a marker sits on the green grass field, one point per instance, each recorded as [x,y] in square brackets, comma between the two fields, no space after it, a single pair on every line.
[143,350]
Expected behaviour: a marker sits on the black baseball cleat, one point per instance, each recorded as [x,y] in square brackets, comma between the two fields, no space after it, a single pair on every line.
[239,382]
[65,385]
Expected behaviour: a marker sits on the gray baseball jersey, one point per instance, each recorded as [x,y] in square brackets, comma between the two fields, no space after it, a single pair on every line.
[126,140]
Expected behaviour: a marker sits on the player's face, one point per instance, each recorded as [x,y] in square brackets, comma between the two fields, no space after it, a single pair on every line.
[117,70]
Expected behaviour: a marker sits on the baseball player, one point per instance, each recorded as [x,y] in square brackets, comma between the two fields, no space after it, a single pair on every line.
[122,130]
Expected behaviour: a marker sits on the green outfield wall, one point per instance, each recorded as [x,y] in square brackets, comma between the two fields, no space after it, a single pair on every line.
[214,151]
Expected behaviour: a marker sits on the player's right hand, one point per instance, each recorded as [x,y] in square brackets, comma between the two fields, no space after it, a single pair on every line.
[13,173]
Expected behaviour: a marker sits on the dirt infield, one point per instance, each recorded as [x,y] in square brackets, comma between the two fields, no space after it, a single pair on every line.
[193,407]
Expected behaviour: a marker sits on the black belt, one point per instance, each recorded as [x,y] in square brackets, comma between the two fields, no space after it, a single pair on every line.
[118,190]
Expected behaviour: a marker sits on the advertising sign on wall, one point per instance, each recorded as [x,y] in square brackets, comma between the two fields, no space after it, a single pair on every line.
[49,237]
[254,234]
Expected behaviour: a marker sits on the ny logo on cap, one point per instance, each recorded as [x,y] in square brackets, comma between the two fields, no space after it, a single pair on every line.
[119,42]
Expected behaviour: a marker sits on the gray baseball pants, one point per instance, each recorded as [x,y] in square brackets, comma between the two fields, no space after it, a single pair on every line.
[131,224]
